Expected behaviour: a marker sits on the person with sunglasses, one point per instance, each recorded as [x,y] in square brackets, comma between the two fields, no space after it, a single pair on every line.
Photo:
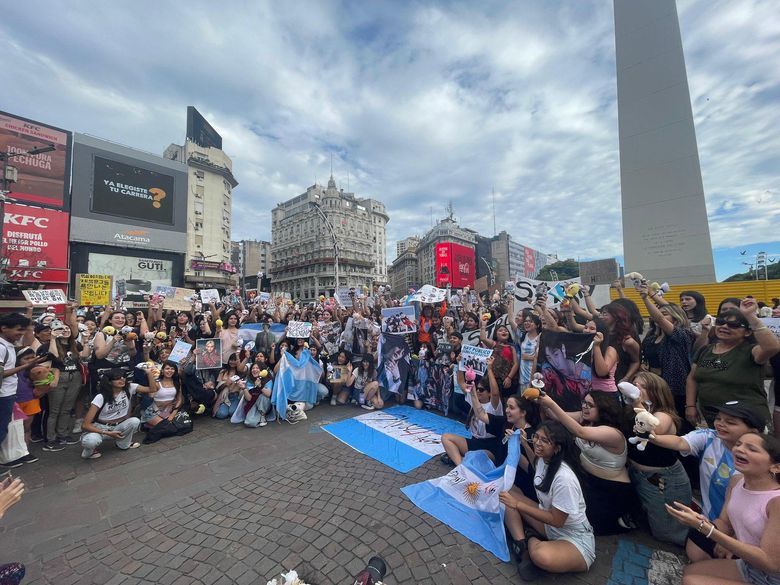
[732,368]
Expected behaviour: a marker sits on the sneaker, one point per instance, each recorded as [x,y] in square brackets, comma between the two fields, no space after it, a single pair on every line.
[333,401]
[29,458]
[12,464]
[67,440]
[52,447]
[36,439]
[77,425]
[367,406]
[263,421]
[627,522]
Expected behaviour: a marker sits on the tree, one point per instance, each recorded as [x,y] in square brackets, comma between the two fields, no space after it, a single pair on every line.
[773,272]
[564,269]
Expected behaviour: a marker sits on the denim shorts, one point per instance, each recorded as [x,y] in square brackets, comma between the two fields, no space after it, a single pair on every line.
[580,536]
[756,576]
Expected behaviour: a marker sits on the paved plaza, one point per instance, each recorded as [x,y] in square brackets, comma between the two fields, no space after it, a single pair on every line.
[228,504]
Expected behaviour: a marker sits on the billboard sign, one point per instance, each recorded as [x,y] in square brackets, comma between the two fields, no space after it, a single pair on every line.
[200,131]
[141,274]
[43,179]
[35,241]
[454,265]
[131,192]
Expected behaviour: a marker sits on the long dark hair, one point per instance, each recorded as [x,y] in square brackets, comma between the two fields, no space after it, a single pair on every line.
[567,453]
[367,357]
[226,365]
[106,389]
[175,378]
[633,312]
[700,310]
[611,412]
[622,327]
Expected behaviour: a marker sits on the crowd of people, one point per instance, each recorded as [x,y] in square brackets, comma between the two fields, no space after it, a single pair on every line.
[706,478]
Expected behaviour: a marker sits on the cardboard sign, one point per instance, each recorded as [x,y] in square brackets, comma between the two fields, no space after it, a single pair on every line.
[299,329]
[180,351]
[44,298]
[344,298]
[475,358]
[209,295]
[181,300]
[599,271]
[121,287]
[93,290]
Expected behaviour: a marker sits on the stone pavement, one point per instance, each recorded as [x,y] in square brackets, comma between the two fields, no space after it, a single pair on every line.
[228,504]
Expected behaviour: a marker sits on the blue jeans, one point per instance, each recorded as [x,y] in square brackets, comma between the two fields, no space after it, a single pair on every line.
[6,414]
[225,411]
[659,487]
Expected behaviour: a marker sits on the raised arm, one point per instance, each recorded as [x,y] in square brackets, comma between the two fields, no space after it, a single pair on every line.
[655,314]
[604,435]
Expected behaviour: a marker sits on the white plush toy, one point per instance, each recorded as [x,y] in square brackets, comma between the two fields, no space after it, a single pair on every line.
[644,426]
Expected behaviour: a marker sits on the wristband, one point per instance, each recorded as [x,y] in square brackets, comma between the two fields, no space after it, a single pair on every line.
[712,528]
[690,406]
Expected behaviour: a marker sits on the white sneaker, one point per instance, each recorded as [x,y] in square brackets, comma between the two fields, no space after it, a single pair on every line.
[333,401]
[367,406]
[77,426]
[263,421]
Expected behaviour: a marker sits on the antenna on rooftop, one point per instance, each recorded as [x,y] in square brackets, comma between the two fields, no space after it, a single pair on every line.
[494,211]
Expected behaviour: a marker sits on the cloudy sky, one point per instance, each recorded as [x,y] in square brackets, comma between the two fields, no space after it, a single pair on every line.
[419,103]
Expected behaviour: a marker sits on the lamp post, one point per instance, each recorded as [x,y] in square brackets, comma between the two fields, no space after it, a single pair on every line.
[335,242]
[4,156]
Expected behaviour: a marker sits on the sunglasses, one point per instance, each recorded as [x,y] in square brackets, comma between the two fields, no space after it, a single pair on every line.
[482,389]
[733,324]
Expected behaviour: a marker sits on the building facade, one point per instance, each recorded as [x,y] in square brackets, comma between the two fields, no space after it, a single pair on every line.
[209,214]
[404,273]
[252,260]
[445,231]
[402,246]
[508,257]
[303,260]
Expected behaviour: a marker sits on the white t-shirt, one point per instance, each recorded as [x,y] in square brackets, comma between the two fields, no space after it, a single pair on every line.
[477,427]
[117,410]
[565,493]
[716,466]
[8,362]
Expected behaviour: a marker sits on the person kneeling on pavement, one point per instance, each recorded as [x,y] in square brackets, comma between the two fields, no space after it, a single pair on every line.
[109,413]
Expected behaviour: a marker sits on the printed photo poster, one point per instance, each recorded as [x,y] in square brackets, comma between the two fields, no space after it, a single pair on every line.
[299,329]
[474,358]
[399,320]
[209,354]
[565,361]
[427,294]
[180,300]
[773,323]
[338,374]
[394,360]
[209,295]
[180,351]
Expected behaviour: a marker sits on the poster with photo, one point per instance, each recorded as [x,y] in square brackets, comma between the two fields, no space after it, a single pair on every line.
[209,354]
[299,329]
[428,294]
[399,320]
[474,358]
[209,295]
[394,363]
[180,351]
[565,361]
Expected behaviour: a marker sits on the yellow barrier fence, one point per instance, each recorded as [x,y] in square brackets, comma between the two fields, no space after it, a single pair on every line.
[714,293]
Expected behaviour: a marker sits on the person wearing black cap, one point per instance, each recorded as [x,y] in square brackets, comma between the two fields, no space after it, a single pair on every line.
[716,462]
[732,368]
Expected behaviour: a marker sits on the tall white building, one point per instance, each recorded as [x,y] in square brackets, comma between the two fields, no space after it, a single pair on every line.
[302,251]
[209,214]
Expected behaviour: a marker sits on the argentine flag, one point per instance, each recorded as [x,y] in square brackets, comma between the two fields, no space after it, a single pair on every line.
[296,380]
[466,499]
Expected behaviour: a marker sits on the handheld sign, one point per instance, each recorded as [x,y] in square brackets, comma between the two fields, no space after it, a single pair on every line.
[94,290]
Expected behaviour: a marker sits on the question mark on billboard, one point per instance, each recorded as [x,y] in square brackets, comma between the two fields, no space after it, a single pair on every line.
[158,195]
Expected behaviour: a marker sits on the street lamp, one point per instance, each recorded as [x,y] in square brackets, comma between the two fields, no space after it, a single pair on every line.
[335,242]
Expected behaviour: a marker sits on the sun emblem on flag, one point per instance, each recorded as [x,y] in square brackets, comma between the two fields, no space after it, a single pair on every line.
[471,491]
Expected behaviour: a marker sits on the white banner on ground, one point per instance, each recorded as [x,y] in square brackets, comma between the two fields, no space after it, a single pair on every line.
[420,438]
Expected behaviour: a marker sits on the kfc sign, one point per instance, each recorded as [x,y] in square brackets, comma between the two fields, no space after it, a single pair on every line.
[454,265]
[35,241]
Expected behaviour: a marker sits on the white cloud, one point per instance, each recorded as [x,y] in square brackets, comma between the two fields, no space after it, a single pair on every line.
[421,105]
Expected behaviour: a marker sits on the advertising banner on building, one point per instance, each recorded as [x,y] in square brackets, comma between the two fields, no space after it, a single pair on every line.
[200,131]
[43,179]
[35,241]
[142,274]
[454,265]
[529,264]
[132,192]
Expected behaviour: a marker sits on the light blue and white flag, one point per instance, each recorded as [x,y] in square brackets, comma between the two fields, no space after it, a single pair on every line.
[296,380]
[466,499]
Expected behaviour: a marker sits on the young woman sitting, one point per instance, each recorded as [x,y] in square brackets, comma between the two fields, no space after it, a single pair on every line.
[564,540]
[363,382]
[656,473]
[228,387]
[748,528]
[603,455]
[489,397]
[109,413]
[716,463]
[256,391]
[167,397]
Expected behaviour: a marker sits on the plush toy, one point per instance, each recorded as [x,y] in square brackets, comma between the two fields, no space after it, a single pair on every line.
[218,323]
[162,336]
[41,376]
[637,279]
[629,391]
[322,298]
[572,290]
[470,376]
[536,389]
[644,426]
[109,331]
[659,289]
[149,335]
